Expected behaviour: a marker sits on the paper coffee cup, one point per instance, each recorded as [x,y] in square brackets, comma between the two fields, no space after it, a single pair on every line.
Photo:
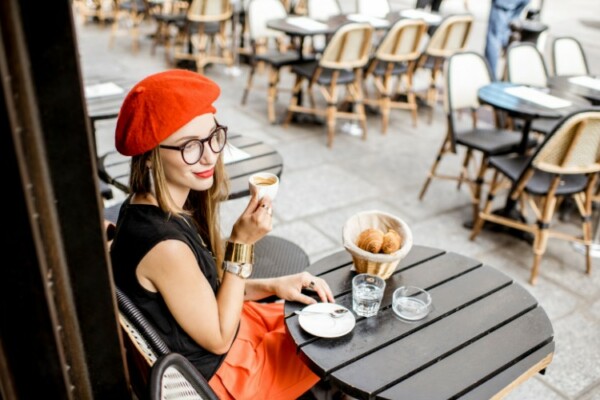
[265,184]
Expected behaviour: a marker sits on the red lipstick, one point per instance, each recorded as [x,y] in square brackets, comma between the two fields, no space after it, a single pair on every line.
[205,174]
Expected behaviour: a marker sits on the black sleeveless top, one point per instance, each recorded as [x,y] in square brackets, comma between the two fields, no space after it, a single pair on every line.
[140,227]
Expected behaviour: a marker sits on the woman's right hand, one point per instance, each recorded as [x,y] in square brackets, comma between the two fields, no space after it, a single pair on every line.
[254,223]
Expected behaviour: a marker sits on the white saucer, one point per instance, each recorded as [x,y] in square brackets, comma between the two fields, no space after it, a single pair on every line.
[325,325]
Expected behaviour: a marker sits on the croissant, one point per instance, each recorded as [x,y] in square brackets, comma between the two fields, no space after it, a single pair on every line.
[370,240]
[391,242]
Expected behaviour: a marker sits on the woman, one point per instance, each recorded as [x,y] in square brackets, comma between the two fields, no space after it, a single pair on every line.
[168,255]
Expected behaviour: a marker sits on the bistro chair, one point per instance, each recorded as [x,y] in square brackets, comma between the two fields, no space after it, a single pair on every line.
[395,58]
[566,165]
[207,30]
[341,64]
[464,74]
[143,344]
[269,47]
[450,37]
[373,8]
[173,377]
[170,21]
[100,10]
[568,57]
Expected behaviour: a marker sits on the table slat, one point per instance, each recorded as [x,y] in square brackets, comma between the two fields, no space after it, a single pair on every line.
[479,361]
[447,334]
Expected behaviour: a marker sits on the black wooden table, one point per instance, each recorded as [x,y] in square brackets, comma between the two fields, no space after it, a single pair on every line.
[485,335]
[495,95]
[106,106]
[565,84]
[114,167]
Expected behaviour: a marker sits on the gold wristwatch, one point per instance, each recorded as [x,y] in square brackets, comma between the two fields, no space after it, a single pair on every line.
[243,270]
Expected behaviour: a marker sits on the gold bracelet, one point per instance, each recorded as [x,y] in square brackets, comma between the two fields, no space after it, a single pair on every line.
[239,253]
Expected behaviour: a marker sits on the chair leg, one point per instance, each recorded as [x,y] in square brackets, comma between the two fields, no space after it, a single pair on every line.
[479,218]
[293,101]
[432,171]
[385,105]
[331,111]
[249,84]
[539,247]
[412,100]
[478,186]
[272,93]
[464,168]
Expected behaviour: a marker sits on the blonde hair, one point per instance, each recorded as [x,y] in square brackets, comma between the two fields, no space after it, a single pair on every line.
[201,206]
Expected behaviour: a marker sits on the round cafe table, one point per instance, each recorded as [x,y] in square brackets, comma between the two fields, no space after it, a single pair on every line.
[485,335]
[568,84]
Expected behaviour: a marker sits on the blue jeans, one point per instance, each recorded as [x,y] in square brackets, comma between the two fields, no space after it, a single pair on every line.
[498,32]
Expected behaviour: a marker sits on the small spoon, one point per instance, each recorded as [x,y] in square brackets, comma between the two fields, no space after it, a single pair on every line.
[338,312]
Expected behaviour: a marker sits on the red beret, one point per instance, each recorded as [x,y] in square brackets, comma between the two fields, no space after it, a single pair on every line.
[159,105]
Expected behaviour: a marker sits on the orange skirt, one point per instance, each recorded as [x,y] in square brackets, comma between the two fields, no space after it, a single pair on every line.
[262,362]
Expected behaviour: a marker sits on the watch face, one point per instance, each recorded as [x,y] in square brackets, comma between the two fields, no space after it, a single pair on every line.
[246,271]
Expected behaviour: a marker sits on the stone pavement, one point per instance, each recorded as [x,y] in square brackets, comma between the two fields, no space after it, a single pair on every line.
[322,187]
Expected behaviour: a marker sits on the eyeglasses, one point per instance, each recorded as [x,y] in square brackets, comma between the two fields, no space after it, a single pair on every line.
[192,151]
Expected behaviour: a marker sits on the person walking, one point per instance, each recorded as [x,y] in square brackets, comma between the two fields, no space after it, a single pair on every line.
[502,12]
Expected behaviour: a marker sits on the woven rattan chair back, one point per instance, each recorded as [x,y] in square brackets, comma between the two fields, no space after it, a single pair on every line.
[209,10]
[525,65]
[568,57]
[574,148]
[348,48]
[451,36]
[175,378]
[396,57]
[401,43]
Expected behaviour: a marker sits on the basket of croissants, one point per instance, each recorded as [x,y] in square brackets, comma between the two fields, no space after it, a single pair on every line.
[377,242]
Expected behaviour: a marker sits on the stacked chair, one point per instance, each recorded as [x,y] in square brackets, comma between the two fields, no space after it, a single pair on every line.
[395,58]
[341,64]
[566,165]
[464,74]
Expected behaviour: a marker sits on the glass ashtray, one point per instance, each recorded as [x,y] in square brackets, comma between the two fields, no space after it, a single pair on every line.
[411,303]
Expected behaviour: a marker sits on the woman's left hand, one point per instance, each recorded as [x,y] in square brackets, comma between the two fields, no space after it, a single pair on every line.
[289,287]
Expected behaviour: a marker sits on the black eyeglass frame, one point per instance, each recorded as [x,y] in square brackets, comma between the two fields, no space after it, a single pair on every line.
[201,142]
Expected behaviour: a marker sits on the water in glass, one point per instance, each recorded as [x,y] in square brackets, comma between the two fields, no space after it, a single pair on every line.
[366,299]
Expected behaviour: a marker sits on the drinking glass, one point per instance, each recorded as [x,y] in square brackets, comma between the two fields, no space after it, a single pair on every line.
[367,292]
